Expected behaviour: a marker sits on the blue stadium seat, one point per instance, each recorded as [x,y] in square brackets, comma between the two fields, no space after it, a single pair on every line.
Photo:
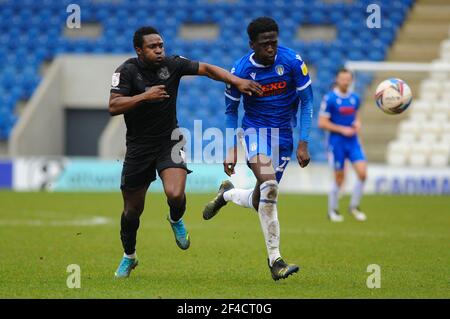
[24,44]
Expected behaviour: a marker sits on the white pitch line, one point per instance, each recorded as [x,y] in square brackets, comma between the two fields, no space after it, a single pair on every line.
[94,221]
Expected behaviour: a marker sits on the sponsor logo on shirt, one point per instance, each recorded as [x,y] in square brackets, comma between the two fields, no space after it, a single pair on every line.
[276,88]
[346,110]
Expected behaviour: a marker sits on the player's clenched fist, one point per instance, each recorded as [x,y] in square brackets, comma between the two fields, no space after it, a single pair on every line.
[230,161]
[303,154]
[156,93]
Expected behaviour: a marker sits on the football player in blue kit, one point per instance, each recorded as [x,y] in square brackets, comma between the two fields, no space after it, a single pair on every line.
[267,128]
[339,115]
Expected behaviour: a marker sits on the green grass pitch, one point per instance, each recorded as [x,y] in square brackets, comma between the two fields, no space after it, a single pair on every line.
[408,237]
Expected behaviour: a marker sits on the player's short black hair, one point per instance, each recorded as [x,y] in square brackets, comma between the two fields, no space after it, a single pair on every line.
[344,70]
[139,34]
[261,25]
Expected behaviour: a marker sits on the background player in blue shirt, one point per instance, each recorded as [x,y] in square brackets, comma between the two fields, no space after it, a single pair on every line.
[339,116]
[267,121]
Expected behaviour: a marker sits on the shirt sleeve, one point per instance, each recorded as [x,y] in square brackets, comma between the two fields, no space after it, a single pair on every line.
[232,100]
[306,115]
[121,81]
[301,75]
[304,92]
[325,106]
[186,66]
[232,94]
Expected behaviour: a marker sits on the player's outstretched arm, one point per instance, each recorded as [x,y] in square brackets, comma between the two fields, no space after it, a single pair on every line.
[119,104]
[216,73]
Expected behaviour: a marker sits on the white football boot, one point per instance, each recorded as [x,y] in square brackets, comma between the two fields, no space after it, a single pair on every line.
[357,214]
[335,217]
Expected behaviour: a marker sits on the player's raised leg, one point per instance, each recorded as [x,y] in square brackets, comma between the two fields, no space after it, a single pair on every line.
[174,182]
[265,199]
[248,198]
[240,196]
[361,172]
[134,201]
[212,207]
[227,192]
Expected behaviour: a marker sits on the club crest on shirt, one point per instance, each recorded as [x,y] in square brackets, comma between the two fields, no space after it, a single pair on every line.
[253,75]
[279,69]
[115,79]
[163,73]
